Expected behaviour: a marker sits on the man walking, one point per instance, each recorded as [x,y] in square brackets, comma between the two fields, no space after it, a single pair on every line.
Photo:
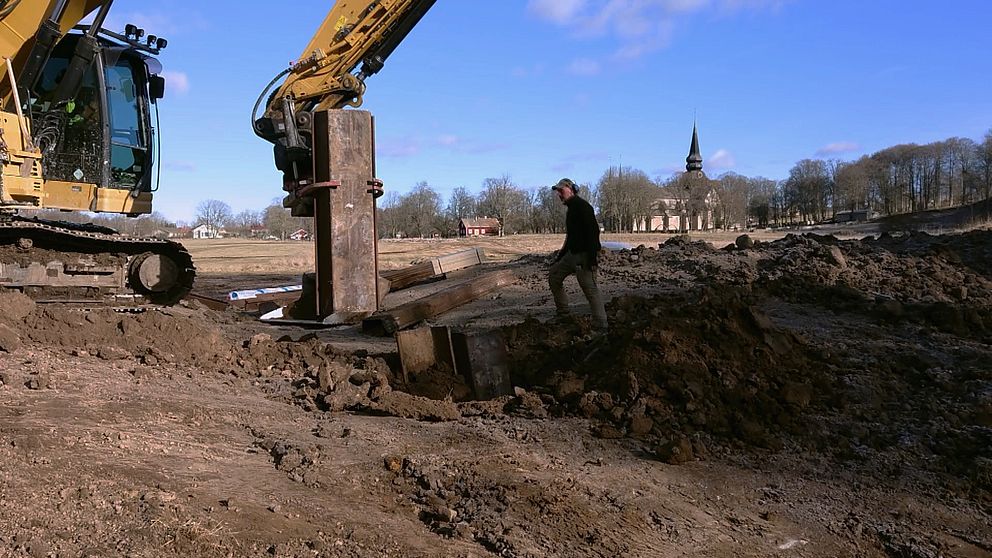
[579,253]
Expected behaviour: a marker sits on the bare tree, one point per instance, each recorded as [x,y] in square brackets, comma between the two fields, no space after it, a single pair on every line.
[807,190]
[502,199]
[245,221]
[763,206]
[213,213]
[388,217]
[420,211]
[626,198]
[984,166]
[547,213]
[279,221]
[732,200]
[853,185]
[461,205]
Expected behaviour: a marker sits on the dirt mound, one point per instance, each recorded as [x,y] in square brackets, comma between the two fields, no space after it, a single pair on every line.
[320,377]
[914,267]
[678,263]
[918,268]
[693,375]
[675,367]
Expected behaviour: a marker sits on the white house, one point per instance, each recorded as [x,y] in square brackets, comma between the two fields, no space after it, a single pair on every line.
[300,234]
[207,231]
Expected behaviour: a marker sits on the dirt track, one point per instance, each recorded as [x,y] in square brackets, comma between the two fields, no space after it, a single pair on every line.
[803,397]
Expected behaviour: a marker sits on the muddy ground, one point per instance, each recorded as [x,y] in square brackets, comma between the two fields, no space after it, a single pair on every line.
[803,397]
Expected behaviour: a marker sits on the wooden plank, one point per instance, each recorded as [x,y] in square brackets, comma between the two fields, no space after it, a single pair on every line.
[443,351]
[433,268]
[461,260]
[391,321]
[208,301]
[403,278]
[424,347]
[482,358]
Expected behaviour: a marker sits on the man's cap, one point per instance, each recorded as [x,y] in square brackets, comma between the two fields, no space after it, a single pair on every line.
[566,182]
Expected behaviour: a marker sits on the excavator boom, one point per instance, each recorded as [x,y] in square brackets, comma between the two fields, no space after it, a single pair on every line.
[351,44]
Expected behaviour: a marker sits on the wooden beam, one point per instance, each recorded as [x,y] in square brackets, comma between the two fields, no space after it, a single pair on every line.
[391,321]
[461,260]
[209,301]
[433,268]
[423,347]
[482,358]
[403,278]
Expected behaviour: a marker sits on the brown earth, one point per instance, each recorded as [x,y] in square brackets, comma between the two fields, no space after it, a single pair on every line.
[805,396]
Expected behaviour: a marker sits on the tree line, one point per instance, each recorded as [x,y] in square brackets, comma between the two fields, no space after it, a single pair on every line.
[899,179]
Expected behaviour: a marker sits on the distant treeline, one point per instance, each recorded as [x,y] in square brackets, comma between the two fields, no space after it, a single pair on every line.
[900,179]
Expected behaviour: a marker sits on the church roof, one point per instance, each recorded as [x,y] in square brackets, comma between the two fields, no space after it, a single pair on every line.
[694,161]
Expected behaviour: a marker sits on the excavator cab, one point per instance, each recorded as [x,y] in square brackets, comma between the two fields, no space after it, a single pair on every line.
[103,135]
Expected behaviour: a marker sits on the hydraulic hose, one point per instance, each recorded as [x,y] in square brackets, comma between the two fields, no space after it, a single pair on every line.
[258,102]
[7,6]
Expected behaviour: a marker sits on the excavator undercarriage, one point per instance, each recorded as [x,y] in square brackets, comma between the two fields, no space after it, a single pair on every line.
[53,261]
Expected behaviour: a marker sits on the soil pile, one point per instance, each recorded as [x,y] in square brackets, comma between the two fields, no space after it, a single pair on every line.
[321,378]
[673,368]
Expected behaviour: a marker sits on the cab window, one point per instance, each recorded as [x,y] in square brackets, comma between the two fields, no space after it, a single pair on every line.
[128,137]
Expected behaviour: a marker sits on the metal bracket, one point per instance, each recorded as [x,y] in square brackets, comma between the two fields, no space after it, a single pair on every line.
[309,189]
[376,187]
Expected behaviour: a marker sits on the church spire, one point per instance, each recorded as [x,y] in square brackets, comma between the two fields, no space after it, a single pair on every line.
[694,162]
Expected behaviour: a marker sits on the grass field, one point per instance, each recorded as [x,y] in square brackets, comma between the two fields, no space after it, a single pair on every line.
[236,255]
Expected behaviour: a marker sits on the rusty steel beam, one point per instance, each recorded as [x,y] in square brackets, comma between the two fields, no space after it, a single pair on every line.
[344,214]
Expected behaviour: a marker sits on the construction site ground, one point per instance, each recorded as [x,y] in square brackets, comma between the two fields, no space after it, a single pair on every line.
[782,395]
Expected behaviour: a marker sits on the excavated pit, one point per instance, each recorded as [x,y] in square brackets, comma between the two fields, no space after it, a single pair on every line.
[873,353]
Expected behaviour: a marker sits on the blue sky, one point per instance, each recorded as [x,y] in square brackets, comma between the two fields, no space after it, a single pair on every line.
[540,89]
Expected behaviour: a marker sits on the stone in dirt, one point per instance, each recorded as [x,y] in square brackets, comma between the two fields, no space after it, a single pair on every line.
[112,353]
[15,306]
[744,242]
[10,340]
[399,404]
[675,452]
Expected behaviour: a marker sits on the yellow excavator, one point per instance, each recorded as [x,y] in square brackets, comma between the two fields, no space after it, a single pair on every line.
[78,125]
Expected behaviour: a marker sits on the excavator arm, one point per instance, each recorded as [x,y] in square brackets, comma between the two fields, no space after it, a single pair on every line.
[350,45]
[29,30]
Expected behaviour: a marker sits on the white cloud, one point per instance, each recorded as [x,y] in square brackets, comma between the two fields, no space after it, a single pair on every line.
[721,160]
[176,82]
[837,148]
[558,11]
[448,140]
[639,26]
[410,146]
[397,147]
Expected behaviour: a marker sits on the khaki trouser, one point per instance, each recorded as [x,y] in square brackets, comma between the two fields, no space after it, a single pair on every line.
[569,264]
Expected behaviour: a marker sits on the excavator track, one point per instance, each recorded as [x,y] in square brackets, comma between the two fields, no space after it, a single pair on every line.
[52,261]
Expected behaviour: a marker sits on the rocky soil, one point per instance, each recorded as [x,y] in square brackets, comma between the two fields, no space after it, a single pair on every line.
[808,396]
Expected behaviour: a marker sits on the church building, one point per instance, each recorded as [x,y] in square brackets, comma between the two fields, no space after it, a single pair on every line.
[686,203]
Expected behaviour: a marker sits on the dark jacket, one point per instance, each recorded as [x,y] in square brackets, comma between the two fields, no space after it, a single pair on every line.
[581,230]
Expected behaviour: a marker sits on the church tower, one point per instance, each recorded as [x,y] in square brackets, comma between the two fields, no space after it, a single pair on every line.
[694,162]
